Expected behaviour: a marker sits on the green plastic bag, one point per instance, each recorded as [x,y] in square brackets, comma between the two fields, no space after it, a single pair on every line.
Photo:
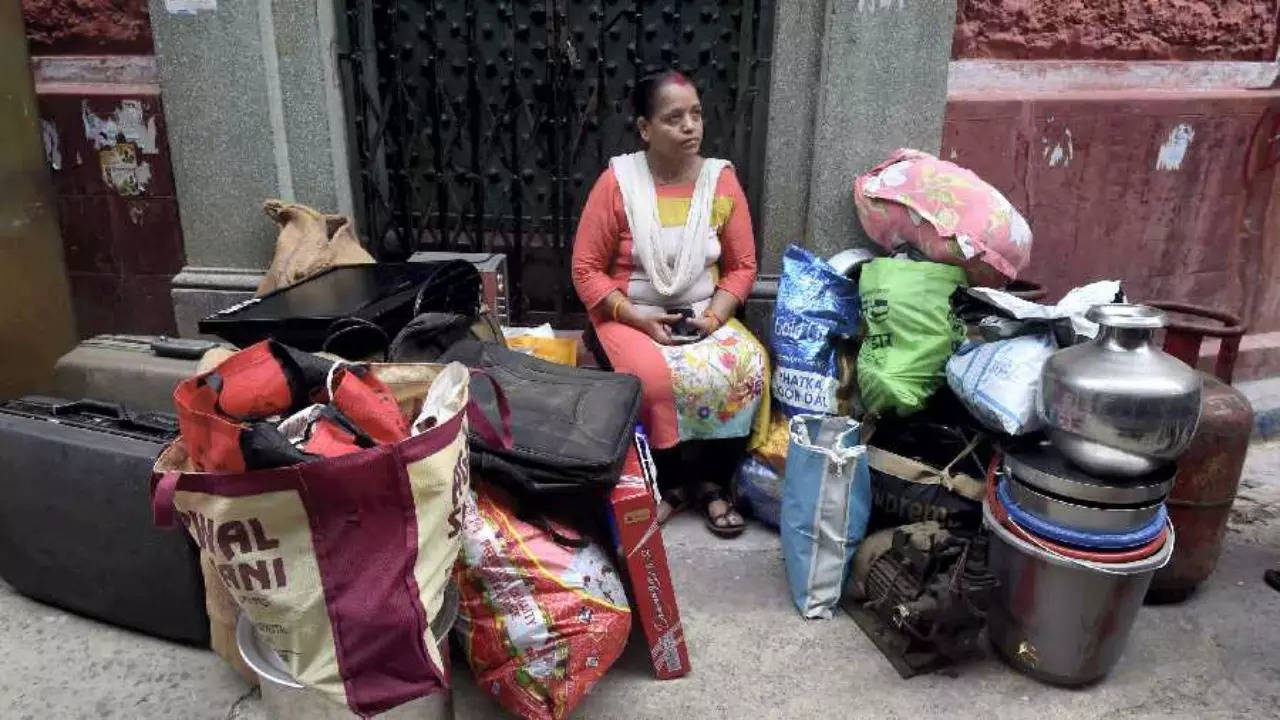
[910,333]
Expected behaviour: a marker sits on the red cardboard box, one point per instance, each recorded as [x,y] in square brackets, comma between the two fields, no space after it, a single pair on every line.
[638,540]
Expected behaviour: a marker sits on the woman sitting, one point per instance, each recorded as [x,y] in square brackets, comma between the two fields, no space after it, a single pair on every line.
[664,257]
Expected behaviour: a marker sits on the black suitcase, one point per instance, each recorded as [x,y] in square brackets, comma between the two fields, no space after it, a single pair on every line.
[137,371]
[75,517]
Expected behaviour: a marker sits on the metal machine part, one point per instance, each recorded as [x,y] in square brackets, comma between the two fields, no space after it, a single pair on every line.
[923,599]
[1119,406]
[849,262]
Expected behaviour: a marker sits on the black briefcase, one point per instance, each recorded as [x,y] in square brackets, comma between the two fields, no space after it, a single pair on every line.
[571,428]
[352,310]
[75,517]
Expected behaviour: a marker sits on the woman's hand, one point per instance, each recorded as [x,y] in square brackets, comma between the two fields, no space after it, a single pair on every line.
[705,325]
[658,327]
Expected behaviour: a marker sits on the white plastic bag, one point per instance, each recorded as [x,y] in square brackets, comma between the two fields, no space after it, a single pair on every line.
[999,381]
[1073,305]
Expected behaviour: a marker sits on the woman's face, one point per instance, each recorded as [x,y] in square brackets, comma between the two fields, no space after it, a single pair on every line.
[674,128]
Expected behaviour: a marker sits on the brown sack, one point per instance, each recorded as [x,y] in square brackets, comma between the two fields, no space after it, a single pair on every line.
[309,243]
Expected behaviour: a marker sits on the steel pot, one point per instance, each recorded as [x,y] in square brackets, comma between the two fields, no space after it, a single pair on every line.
[1118,405]
[287,699]
[1059,620]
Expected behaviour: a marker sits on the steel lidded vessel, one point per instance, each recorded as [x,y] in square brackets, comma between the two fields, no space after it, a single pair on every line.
[1120,406]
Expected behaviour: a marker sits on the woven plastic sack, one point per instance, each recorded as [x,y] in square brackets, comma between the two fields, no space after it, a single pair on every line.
[999,382]
[911,332]
[539,622]
[817,307]
[947,213]
[826,503]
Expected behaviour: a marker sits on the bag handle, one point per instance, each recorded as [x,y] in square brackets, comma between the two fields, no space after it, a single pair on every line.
[163,488]
[481,423]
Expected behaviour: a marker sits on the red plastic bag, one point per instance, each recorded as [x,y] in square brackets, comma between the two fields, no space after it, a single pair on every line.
[540,622]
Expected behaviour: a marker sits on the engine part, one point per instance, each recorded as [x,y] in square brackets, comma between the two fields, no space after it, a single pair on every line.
[922,599]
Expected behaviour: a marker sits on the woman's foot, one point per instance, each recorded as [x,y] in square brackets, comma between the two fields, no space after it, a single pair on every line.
[672,502]
[722,519]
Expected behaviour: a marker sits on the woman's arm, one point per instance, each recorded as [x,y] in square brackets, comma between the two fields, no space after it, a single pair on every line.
[737,257]
[595,244]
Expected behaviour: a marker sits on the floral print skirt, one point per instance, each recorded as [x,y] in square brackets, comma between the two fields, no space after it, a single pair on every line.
[718,383]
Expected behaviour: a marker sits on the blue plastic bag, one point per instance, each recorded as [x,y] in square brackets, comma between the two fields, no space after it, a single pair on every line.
[816,306]
[826,502]
[760,491]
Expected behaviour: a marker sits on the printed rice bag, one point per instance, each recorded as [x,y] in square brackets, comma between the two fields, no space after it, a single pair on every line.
[540,622]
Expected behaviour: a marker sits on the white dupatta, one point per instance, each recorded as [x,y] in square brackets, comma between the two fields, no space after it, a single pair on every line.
[671,273]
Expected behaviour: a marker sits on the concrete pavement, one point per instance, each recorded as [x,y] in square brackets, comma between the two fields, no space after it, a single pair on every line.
[1215,656]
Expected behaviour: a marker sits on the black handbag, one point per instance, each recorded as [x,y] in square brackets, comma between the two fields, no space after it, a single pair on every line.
[571,428]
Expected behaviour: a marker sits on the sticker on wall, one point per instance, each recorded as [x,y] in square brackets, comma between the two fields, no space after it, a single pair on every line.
[1174,149]
[121,139]
[52,146]
[123,171]
[125,124]
[189,7]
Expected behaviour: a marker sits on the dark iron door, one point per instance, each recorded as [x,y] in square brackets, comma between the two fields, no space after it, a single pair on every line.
[480,125]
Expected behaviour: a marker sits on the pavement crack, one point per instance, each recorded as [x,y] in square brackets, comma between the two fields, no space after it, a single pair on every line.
[234,712]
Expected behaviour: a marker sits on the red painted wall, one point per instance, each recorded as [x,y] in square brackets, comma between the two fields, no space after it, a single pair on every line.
[87,27]
[116,200]
[1116,29]
[1156,189]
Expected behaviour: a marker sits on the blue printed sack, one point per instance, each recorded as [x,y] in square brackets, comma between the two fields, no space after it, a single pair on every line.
[817,307]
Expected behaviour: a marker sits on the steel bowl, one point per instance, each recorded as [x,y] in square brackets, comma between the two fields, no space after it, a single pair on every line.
[1081,517]
[287,699]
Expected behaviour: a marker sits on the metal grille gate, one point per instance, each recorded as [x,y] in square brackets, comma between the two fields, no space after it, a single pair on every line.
[480,125]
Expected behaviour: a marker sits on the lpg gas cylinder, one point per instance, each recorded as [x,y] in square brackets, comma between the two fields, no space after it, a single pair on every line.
[1209,469]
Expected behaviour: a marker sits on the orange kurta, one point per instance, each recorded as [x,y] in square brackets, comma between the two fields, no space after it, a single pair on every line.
[603,261]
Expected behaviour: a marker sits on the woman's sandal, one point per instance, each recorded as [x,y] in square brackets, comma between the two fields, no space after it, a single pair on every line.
[728,524]
[675,501]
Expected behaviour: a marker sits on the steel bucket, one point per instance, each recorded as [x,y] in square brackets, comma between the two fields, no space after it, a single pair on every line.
[1057,620]
[287,699]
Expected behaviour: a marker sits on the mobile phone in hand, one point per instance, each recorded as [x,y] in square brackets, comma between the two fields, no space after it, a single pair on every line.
[683,331]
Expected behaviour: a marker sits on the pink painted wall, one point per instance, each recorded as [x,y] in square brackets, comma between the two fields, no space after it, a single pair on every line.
[1116,29]
[1157,189]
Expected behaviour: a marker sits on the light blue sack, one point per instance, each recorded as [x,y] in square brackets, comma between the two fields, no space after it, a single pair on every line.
[826,501]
